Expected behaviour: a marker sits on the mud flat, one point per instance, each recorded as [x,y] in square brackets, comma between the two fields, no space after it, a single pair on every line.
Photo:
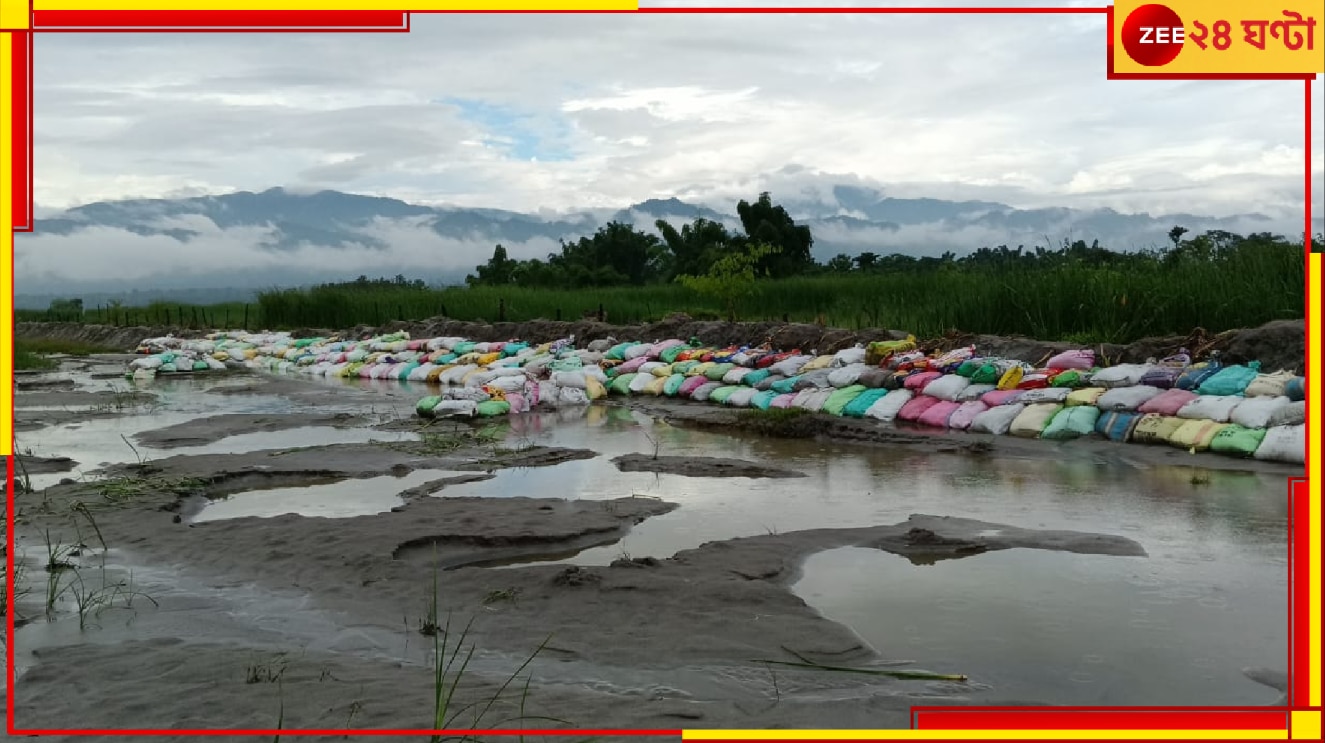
[700,466]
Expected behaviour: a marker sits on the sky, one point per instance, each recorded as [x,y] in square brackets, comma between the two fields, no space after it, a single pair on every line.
[554,112]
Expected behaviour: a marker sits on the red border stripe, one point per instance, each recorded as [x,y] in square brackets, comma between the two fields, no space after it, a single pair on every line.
[1214,719]
[286,20]
[1299,679]
[20,179]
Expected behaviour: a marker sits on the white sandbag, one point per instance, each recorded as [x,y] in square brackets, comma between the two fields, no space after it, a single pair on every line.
[597,373]
[455,409]
[1292,414]
[849,356]
[508,384]
[803,397]
[417,374]
[573,379]
[887,407]
[634,352]
[736,375]
[846,375]
[456,374]
[1284,444]
[640,381]
[548,393]
[974,391]
[1255,412]
[741,398]
[789,366]
[1122,375]
[702,392]
[1215,408]
[947,387]
[1126,399]
[1045,394]
[996,420]
[569,396]
[648,367]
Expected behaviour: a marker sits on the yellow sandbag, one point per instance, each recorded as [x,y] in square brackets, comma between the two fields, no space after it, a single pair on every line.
[822,362]
[1010,379]
[435,374]
[486,359]
[663,371]
[464,382]
[1268,385]
[878,351]
[469,358]
[699,369]
[1196,435]
[250,353]
[1087,396]
[1156,429]
[593,388]
[655,387]
[545,348]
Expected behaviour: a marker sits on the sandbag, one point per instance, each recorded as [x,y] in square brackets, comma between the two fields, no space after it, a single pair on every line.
[1162,377]
[818,362]
[716,372]
[965,413]
[862,402]
[1082,359]
[637,351]
[1122,375]
[1255,412]
[593,388]
[640,382]
[1071,423]
[656,385]
[1193,376]
[783,401]
[783,386]
[518,402]
[1284,444]
[1117,426]
[838,400]
[721,394]
[1001,397]
[691,384]
[1210,407]
[1032,421]
[1293,414]
[763,400]
[918,382]
[1155,429]
[1269,385]
[656,368]
[1168,402]
[673,385]
[915,407]
[702,392]
[1072,379]
[846,376]
[791,366]
[814,401]
[1237,441]
[880,351]
[1296,389]
[1045,394]
[937,415]
[1231,380]
[996,420]
[1126,398]
[1084,396]
[1196,435]
[947,387]
[425,406]
[755,377]
[737,375]
[850,357]
[621,384]
[874,378]
[887,408]
[974,392]
[767,382]
[741,397]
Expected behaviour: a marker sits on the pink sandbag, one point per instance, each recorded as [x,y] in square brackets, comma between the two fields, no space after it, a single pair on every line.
[938,414]
[1000,397]
[658,348]
[415,345]
[632,366]
[1083,360]
[533,393]
[783,401]
[1168,402]
[517,401]
[965,413]
[916,407]
[917,382]
[691,384]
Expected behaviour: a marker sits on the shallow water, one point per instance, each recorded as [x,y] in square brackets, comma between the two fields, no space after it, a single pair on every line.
[1172,628]
[344,499]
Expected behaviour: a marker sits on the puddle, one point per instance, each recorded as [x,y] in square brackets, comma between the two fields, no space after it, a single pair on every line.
[338,500]
[1063,628]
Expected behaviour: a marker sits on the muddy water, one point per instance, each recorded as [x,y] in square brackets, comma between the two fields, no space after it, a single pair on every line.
[1173,628]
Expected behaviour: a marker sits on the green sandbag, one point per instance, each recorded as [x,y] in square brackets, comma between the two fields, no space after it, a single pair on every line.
[446,358]
[167,368]
[511,349]
[425,406]
[618,352]
[681,367]
[721,394]
[969,367]
[1237,441]
[1231,380]
[621,384]
[572,363]
[755,377]
[493,408]
[718,371]
[838,401]
[786,386]
[200,365]
[669,354]
[1068,379]
[464,347]
[862,402]
[763,400]
[673,384]
[1072,423]
[403,374]
[986,374]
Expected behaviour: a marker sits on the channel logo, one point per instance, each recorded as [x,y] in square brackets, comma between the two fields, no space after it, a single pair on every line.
[1153,35]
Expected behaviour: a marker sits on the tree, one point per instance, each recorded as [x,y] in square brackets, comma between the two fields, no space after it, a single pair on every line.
[694,248]
[840,263]
[732,276]
[498,271]
[867,261]
[66,308]
[769,224]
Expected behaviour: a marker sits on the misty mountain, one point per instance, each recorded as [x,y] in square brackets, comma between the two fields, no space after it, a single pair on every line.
[279,237]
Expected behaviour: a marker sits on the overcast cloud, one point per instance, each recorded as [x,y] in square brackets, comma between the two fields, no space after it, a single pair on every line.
[555,112]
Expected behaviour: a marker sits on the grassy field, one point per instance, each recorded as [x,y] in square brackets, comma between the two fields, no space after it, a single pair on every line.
[1068,302]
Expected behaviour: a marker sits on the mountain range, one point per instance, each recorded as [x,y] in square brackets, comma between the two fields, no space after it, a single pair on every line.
[239,242]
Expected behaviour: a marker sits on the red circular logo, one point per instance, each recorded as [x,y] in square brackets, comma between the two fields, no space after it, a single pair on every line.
[1153,35]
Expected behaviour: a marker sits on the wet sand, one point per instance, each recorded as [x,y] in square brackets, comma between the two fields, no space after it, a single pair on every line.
[676,637]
